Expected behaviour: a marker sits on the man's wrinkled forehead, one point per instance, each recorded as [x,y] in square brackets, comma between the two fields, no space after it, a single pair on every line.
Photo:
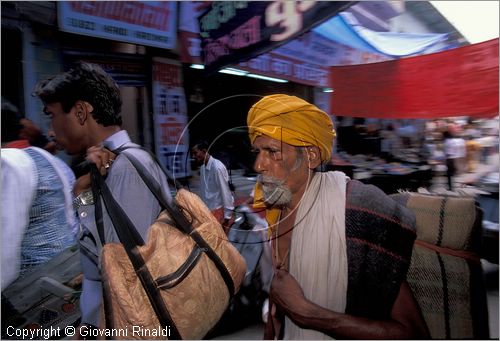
[266,141]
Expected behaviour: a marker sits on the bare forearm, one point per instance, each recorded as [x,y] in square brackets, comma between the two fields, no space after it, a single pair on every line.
[343,326]
[405,321]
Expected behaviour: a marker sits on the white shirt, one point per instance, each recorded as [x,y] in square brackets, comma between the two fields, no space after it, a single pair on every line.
[214,187]
[454,148]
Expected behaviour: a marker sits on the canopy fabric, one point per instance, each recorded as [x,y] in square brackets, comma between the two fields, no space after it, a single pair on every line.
[452,83]
[345,29]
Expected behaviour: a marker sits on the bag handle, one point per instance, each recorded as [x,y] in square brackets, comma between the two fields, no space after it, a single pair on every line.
[125,230]
[181,222]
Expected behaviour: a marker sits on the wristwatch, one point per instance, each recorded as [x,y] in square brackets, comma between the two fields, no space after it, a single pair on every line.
[84,199]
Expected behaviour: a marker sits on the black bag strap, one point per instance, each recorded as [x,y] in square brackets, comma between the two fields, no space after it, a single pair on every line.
[181,222]
[171,179]
[125,230]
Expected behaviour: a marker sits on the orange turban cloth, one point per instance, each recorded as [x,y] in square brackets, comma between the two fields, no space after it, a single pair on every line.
[293,121]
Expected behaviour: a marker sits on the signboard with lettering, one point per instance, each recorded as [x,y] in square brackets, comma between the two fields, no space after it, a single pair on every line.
[235,31]
[275,65]
[304,60]
[170,117]
[151,23]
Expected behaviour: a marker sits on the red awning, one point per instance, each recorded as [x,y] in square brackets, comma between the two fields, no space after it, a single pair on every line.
[458,82]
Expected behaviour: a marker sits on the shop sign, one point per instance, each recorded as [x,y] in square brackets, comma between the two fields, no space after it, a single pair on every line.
[151,23]
[310,47]
[275,65]
[170,117]
[233,31]
[190,47]
[314,48]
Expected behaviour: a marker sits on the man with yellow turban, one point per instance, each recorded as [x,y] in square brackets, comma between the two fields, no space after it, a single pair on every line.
[341,249]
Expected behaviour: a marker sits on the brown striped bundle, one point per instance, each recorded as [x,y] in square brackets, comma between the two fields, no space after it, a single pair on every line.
[445,274]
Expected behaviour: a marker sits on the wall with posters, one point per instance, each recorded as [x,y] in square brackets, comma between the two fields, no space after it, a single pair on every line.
[170,117]
[53,35]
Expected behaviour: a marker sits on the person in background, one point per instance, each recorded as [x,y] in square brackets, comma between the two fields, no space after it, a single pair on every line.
[214,185]
[390,143]
[341,249]
[26,131]
[84,106]
[473,150]
[454,150]
[38,220]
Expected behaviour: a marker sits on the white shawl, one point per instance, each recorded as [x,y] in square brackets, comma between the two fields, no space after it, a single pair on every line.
[318,256]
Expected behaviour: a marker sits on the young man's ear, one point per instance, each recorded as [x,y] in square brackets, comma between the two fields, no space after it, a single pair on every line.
[83,109]
[313,157]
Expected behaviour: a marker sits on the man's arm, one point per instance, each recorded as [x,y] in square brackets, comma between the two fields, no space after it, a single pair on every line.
[406,319]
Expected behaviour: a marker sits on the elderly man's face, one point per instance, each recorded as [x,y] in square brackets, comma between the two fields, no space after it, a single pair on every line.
[283,173]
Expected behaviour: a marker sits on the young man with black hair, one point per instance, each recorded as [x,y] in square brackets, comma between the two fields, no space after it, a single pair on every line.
[84,105]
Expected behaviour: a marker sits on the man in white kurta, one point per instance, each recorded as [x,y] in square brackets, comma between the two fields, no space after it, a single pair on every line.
[214,185]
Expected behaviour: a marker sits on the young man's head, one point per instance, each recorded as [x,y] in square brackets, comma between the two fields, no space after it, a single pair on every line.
[11,122]
[15,127]
[83,103]
[290,138]
[200,152]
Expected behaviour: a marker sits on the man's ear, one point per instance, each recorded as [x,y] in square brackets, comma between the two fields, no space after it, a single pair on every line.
[83,110]
[313,157]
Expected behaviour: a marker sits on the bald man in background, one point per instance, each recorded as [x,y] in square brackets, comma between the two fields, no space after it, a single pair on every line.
[341,249]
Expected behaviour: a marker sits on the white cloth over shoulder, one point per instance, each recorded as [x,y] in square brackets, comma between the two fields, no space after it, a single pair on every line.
[19,179]
[318,254]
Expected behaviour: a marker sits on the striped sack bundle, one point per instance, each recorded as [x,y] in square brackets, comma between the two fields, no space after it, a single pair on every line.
[445,273]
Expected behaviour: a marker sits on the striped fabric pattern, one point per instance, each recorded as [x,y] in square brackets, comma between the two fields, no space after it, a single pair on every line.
[445,274]
[442,290]
[445,221]
[380,235]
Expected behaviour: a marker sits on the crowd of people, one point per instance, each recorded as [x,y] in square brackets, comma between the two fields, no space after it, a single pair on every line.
[340,249]
[458,145]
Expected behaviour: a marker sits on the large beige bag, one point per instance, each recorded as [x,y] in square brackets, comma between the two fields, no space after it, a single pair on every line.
[195,297]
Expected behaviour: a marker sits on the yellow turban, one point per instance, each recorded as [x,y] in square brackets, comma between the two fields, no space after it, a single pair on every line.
[293,121]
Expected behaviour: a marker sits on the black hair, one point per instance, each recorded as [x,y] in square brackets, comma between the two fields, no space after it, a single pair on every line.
[11,125]
[201,145]
[86,82]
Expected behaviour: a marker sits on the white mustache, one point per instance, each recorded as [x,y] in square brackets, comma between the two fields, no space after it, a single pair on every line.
[269,180]
[274,190]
